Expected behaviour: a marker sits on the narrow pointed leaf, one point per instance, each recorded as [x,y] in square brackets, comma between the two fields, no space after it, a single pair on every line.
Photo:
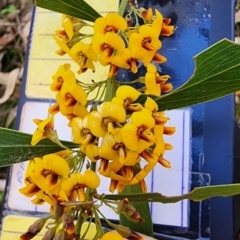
[197,194]
[142,208]
[15,147]
[76,8]
[216,75]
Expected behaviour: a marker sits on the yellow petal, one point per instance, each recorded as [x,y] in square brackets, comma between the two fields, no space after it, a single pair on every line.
[81,194]
[95,124]
[115,41]
[56,164]
[158,21]
[108,153]
[117,60]
[115,112]
[62,45]
[37,136]
[78,93]
[131,159]
[130,136]
[151,104]
[76,50]
[142,119]
[68,27]
[92,180]
[151,68]
[88,51]
[97,41]
[112,235]
[117,21]
[79,110]
[100,25]
[127,93]
[92,153]
[29,190]
[135,41]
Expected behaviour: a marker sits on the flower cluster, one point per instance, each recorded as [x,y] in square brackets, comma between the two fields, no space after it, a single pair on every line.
[119,136]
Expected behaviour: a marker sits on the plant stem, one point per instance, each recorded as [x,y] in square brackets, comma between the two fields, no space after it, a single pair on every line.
[122,7]
[110,89]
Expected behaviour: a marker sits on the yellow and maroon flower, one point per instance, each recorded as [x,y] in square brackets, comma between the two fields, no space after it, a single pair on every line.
[78,182]
[84,56]
[137,135]
[105,45]
[112,22]
[45,129]
[145,42]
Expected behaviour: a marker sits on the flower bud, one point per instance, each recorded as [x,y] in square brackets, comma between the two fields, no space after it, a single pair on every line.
[57,211]
[131,213]
[135,236]
[34,229]
[68,223]
[146,14]
[122,205]
[49,235]
[123,231]
[60,235]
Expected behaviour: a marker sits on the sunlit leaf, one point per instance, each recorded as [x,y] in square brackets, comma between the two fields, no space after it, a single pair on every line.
[76,8]
[15,147]
[217,74]
[197,194]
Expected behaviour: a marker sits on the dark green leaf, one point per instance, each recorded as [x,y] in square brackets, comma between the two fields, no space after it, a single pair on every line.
[217,74]
[15,147]
[76,8]
[197,194]
[142,208]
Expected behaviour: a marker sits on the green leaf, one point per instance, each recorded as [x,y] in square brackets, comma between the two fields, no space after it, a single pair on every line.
[197,194]
[9,9]
[142,208]
[76,8]
[15,147]
[217,74]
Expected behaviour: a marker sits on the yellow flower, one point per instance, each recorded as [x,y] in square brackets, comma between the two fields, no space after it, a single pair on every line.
[49,170]
[106,118]
[128,94]
[83,55]
[111,236]
[58,77]
[71,92]
[45,130]
[111,170]
[136,135]
[155,83]
[112,22]
[68,27]
[145,42]
[78,182]
[105,45]
[146,14]
[162,25]
[31,188]
[113,148]
[166,29]
[81,131]
[71,99]
[127,59]
[63,46]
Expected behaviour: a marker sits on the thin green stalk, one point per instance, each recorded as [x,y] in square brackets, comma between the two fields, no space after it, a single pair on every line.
[122,7]
[110,89]
[79,223]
